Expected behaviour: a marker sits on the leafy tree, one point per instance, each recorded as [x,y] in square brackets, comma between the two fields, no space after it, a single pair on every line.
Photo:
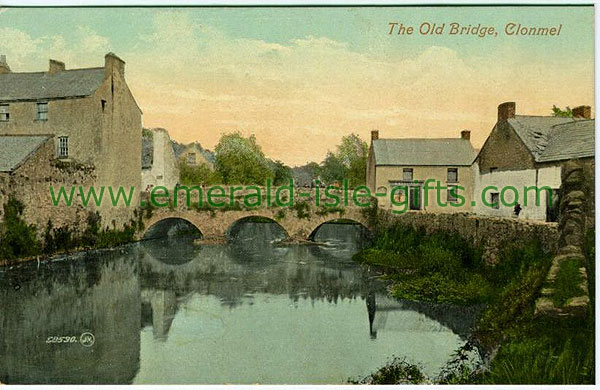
[197,175]
[281,173]
[241,160]
[349,162]
[566,113]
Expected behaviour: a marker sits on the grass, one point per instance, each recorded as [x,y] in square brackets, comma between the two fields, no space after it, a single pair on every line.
[567,283]
[529,349]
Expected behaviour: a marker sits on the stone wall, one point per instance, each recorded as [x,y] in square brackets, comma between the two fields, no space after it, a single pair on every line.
[30,184]
[491,233]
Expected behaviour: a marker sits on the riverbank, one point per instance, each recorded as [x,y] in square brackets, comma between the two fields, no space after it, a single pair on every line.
[518,346]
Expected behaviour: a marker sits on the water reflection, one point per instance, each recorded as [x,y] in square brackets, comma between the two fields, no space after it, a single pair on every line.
[251,311]
[96,294]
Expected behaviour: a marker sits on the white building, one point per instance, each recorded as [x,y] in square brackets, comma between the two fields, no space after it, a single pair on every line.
[527,151]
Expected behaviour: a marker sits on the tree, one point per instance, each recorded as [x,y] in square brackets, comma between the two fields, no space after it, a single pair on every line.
[349,162]
[190,175]
[282,174]
[566,113]
[241,160]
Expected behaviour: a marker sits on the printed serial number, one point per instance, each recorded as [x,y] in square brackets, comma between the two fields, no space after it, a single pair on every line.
[61,339]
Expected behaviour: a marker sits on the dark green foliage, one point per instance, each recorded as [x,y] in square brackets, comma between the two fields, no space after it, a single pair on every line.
[348,162]
[436,267]
[397,371]
[545,351]
[282,174]
[195,175]
[17,239]
[567,282]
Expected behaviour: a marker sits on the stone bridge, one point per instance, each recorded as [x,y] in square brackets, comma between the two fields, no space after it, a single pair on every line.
[300,221]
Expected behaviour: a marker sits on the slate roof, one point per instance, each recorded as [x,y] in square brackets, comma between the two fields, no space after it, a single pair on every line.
[44,85]
[570,140]
[423,151]
[15,149]
[550,138]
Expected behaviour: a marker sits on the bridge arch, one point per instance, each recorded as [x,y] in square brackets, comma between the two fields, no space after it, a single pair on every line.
[236,226]
[171,227]
[339,221]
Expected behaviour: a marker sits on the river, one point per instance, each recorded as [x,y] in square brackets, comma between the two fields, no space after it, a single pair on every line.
[173,311]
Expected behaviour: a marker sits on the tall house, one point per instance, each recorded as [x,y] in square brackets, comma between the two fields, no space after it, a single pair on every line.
[92,118]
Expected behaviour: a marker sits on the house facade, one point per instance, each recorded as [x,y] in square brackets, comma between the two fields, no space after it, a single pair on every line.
[415,167]
[525,151]
[193,155]
[159,163]
[92,120]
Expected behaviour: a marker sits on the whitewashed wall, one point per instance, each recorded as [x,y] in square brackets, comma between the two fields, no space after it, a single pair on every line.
[548,176]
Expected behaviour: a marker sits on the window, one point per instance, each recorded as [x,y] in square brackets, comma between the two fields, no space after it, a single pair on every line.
[191,158]
[63,147]
[451,194]
[41,113]
[407,174]
[103,102]
[495,200]
[452,175]
[4,113]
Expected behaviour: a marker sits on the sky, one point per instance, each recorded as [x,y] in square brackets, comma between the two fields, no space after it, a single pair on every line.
[302,78]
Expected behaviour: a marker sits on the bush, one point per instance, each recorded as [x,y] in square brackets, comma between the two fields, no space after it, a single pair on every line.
[17,239]
[397,371]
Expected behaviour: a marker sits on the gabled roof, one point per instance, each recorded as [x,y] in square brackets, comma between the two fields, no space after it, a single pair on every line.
[423,151]
[570,140]
[550,138]
[15,149]
[534,130]
[44,85]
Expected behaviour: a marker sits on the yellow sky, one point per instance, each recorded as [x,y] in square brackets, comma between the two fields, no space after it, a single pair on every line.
[301,78]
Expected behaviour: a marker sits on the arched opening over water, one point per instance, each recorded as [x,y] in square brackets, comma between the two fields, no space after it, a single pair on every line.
[256,228]
[171,228]
[348,227]
[340,238]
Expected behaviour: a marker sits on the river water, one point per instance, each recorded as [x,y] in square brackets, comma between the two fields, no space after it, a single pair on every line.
[250,311]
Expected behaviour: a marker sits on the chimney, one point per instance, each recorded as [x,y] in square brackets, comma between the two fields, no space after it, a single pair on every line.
[112,63]
[584,112]
[55,66]
[465,134]
[4,68]
[506,111]
[374,135]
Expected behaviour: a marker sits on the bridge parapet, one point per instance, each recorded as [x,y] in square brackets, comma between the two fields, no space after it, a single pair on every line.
[299,216]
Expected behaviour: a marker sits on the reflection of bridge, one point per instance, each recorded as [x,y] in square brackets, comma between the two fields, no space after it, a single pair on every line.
[300,222]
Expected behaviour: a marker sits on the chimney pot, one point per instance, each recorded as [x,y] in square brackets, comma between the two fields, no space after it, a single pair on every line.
[4,68]
[506,110]
[374,135]
[55,66]
[582,112]
[465,134]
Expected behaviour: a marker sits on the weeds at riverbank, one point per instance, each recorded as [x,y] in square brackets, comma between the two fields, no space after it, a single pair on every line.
[528,349]
[19,240]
